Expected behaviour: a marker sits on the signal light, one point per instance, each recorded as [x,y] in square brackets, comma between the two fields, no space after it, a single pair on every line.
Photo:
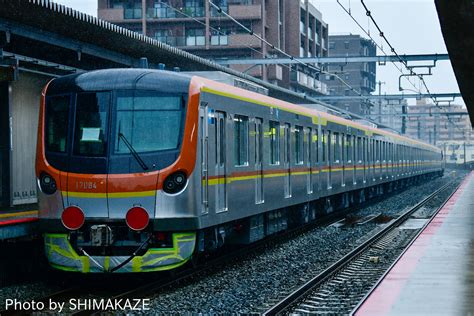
[73,218]
[137,218]
[47,183]
[175,182]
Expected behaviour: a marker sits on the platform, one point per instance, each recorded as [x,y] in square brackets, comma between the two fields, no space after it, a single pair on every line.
[18,222]
[435,276]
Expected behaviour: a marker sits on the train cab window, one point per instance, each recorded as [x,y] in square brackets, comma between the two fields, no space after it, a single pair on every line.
[57,112]
[241,136]
[90,132]
[274,134]
[149,121]
[299,150]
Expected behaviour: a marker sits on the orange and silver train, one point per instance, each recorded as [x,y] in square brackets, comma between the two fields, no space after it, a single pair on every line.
[140,170]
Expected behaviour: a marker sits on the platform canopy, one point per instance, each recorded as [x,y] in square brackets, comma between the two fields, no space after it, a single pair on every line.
[457,24]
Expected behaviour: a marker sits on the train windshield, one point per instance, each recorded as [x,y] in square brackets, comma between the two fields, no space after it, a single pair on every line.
[90,132]
[148,121]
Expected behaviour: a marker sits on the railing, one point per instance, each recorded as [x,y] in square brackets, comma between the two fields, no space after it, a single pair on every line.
[169,13]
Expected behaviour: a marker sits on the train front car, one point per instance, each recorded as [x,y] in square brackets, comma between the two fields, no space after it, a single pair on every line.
[116,149]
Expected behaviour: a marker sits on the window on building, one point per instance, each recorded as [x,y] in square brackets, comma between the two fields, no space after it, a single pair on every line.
[195,37]
[346,45]
[132,10]
[274,134]
[241,136]
[332,45]
[219,37]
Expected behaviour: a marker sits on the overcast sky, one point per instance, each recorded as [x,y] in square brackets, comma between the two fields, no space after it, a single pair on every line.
[412,27]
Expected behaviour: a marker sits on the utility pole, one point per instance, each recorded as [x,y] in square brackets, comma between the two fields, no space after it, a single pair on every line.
[380,100]
[465,167]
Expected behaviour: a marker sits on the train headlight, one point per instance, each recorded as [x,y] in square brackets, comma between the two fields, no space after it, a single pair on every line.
[47,183]
[137,218]
[175,182]
[73,218]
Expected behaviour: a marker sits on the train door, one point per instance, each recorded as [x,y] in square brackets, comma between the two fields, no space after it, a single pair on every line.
[203,123]
[258,160]
[221,188]
[286,159]
[309,159]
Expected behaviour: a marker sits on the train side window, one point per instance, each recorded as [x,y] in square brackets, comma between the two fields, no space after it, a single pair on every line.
[241,143]
[274,133]
[323,145]
[337,147]
[329,144]
[222,141]
[359,149]
[287,141]
[299,150]
[349,148]
[308,146]
[315,140]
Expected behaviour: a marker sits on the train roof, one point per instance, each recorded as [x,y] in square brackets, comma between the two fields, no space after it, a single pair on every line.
[249,96]
[175,82]
[116,79]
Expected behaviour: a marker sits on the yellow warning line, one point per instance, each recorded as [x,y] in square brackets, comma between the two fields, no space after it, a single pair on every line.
[17,214]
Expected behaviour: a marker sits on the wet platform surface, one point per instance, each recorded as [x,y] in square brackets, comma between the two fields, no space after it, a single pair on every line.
[435,276]
[16,222]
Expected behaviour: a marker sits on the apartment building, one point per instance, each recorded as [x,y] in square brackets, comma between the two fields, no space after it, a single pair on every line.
[294,26]
[361,76]
[426,124]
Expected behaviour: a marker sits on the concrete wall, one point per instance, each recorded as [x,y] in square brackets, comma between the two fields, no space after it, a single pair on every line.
[4,145]
[25,99]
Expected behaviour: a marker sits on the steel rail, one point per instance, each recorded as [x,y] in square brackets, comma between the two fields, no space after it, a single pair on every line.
[303,290]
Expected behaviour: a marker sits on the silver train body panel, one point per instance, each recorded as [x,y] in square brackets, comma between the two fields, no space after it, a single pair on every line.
[219,191]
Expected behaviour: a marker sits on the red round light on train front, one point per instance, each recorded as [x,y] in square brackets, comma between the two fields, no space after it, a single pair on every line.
[73,218]
[137,218]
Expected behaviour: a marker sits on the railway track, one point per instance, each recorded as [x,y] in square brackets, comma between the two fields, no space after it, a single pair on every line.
[340,287]
[149,288]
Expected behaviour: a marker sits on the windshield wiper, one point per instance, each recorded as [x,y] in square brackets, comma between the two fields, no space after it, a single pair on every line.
[133,151]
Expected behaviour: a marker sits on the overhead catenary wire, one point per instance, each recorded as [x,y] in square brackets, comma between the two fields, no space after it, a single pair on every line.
[349,12]
[299,61]
[404,62]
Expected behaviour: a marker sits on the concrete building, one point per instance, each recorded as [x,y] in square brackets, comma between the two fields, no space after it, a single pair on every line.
[361,76]
[296,27]
[436,129]
[389,113]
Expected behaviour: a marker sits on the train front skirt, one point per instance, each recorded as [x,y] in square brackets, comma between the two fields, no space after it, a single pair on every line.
[62,256]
